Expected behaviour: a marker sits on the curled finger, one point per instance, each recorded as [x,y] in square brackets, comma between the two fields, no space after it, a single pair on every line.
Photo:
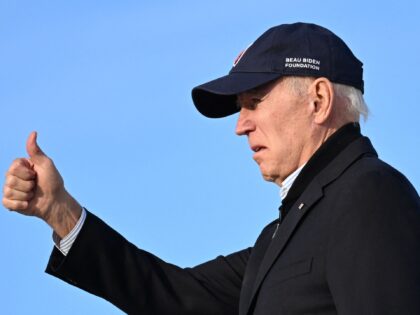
[22,169]
[14,194]
[15,205]
[17,183]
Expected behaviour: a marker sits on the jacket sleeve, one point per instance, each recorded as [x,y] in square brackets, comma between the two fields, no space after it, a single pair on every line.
[103,263]
[373,261]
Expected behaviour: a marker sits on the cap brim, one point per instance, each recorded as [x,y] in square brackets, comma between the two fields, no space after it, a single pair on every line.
[217,98]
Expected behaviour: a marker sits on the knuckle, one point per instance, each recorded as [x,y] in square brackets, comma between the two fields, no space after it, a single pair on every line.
[5,202]
[14,167]
[9,172]
[17,163]
[9,204]
[10,181]
[20,205]
[7,192]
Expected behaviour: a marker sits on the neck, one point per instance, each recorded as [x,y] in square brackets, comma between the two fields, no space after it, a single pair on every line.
[315,141]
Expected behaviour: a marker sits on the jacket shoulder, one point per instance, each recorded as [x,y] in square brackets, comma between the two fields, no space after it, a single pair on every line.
[372,174]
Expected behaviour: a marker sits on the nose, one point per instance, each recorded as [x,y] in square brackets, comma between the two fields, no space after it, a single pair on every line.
[244,124]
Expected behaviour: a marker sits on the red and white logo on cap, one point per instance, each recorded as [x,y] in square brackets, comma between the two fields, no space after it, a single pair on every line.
[241,54]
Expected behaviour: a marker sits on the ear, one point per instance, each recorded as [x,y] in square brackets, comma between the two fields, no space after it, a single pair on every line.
[322,95]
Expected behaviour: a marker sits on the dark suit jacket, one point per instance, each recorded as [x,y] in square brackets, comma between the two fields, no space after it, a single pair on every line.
[349,244]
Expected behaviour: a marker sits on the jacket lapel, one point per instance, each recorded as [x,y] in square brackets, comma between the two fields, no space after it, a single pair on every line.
[304,204]
[278,243]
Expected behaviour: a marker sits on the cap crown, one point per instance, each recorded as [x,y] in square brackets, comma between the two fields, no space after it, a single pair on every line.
[299,49]
[302,49]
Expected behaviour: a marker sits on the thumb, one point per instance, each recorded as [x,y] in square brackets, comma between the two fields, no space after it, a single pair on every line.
[34,151]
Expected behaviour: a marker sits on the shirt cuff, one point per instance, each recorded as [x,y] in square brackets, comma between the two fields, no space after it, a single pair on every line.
[66,243]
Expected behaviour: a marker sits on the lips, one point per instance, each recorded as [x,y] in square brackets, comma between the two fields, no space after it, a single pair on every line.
[257,148]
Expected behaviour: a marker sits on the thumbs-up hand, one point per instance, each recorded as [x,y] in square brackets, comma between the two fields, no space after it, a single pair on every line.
[34,187]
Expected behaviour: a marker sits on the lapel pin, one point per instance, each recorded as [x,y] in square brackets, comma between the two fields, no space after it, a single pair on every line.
[301,206]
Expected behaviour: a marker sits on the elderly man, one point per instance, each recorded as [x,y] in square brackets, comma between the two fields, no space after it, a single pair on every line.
[348,236]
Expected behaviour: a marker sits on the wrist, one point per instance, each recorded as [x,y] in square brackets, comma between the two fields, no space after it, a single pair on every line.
[64,215]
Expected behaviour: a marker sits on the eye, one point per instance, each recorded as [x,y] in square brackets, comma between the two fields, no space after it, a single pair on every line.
[248,102]
[254,103]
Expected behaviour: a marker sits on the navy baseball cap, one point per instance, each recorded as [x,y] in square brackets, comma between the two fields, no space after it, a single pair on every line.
[299,49]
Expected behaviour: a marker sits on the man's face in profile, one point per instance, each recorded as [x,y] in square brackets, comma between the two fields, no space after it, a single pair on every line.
[276,121]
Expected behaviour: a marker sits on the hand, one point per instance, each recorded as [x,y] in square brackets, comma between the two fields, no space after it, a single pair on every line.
[34,187]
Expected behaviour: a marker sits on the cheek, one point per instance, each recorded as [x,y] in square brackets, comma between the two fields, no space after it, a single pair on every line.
[284,145]
[288,130]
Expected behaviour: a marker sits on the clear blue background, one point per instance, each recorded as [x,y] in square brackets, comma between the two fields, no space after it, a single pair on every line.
[107,86]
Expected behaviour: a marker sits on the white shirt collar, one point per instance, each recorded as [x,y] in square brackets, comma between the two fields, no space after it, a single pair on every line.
[288,182]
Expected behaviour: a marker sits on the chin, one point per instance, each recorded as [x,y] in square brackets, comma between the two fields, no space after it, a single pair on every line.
[268,174]
[268,177]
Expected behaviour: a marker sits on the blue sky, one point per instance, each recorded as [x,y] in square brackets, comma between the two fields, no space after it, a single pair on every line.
[107,86]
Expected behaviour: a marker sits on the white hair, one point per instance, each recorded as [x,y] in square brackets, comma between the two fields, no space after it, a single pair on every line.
[350,98]
[353,101]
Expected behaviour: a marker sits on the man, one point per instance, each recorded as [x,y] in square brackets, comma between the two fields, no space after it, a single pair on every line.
[348,234]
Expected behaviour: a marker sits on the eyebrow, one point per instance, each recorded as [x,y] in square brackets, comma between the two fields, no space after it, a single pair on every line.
[257,92]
